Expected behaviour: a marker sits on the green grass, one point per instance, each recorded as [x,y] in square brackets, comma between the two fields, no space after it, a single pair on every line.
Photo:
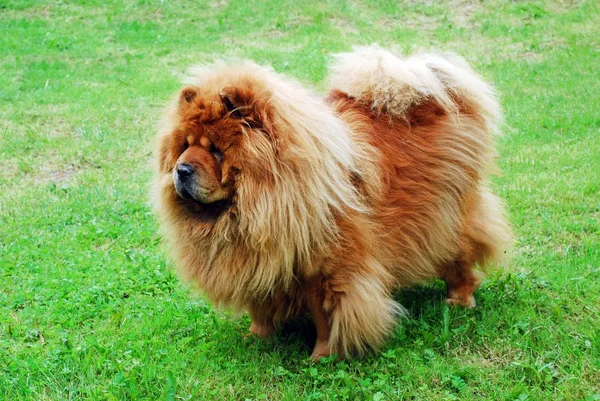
[89,308]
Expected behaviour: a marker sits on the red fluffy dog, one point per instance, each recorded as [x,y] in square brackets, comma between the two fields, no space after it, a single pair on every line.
[280,203]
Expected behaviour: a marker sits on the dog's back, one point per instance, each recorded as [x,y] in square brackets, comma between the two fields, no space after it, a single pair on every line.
[432,121]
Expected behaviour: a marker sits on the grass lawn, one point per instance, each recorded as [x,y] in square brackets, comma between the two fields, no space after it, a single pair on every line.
[89,307]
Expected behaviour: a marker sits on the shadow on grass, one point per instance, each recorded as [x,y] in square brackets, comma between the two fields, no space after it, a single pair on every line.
[418,298]
[297,336]
[427,324]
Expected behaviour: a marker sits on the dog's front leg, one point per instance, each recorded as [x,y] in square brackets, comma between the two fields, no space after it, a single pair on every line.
[321,320]
[314,299]
[360,308]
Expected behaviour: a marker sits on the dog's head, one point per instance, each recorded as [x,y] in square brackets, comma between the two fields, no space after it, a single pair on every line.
[217,131]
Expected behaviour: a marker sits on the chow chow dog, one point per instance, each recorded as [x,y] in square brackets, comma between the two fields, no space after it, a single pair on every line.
[279,202]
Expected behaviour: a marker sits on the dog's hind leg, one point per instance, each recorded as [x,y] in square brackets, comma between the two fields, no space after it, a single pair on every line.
[461,282]
[485,240]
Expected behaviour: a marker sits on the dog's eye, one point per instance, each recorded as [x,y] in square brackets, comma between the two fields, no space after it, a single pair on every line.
[217,154]
[230,107]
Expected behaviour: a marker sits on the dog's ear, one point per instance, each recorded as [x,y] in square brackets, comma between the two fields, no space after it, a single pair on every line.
[187,95]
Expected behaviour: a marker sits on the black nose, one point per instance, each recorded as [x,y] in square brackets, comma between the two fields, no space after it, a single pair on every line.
[184,171]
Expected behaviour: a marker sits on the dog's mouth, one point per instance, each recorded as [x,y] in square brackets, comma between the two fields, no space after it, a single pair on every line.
[185,193]
[188,190]
[205,209]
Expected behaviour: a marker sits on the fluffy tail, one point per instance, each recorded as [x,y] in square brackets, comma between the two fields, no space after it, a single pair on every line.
[394,85]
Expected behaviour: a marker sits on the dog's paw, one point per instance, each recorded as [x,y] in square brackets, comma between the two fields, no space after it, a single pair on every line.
[322,350]
[260,330]
[466,302]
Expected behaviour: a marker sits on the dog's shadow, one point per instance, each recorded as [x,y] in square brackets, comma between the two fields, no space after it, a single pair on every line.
[426,314]
[301,332]
[422,297]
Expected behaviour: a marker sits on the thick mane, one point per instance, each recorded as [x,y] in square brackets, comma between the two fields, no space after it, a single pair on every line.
[297,179]
[314,159]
